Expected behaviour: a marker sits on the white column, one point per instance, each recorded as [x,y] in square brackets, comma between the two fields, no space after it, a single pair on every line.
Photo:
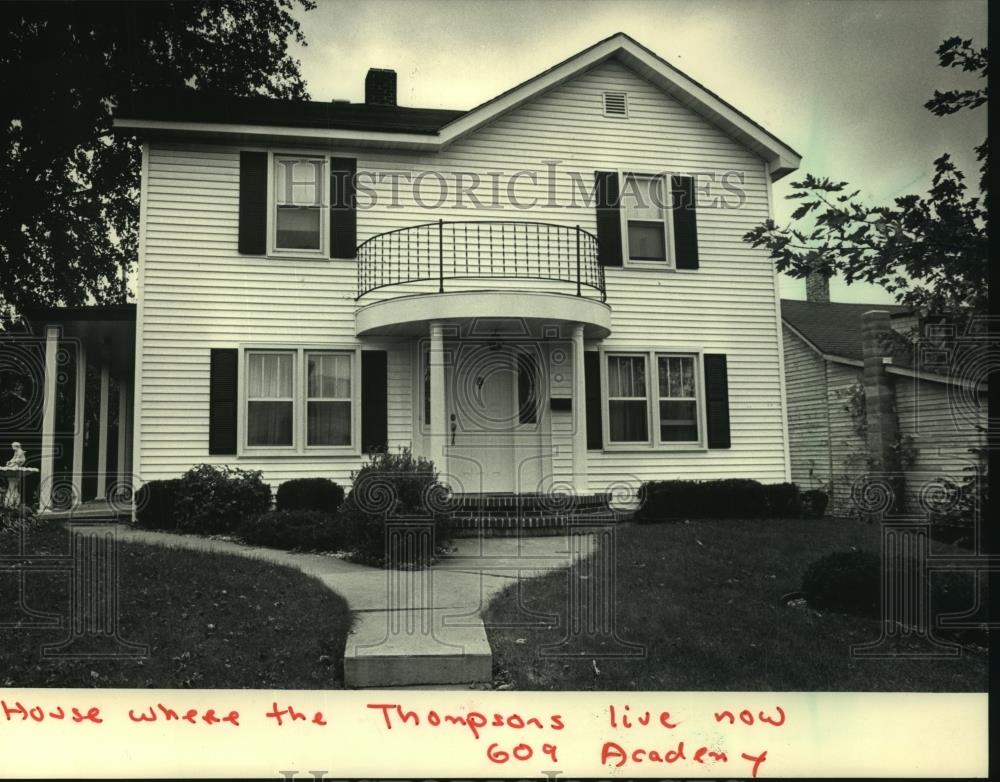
[102,435]
[438,438]
[47,467]
[579,415]
[78,426]
[122,430]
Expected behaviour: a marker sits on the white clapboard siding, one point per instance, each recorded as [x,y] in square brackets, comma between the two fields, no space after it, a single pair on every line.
[198,293]
[808,413]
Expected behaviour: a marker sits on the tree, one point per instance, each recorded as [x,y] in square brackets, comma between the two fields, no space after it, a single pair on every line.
[68,187]
[929,251]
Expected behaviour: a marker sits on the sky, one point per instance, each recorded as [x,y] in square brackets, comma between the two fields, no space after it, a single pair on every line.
[843,82]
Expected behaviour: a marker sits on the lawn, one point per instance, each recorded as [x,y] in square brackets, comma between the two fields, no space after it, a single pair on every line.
[209,620]
[705,599]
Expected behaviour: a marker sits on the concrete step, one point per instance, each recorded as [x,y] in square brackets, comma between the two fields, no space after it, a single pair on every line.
[416,647]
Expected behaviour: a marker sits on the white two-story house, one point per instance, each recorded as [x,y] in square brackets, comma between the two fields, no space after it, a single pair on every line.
[547,292]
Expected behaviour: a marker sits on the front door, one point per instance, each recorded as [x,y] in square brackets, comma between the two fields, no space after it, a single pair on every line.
[482,415]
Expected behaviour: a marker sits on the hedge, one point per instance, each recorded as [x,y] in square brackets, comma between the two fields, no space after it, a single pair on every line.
[155,504]
[319,494]
[294,530]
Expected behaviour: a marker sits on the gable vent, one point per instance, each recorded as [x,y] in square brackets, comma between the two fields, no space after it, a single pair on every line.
[615,104]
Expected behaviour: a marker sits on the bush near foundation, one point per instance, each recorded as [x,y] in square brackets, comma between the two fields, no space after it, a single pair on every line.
[718,499]
[294,530]
[784,500]
[219,498]
[394,489]
[156,504]
[320,494]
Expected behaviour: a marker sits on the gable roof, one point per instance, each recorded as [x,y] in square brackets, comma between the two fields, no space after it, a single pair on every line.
[435,129]
[834,329]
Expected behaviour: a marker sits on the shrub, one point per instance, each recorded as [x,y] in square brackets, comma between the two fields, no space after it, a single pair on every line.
[814,503]
[320,494]
[850,582]
[398,488]
[219,498]
[783,500]
[720,499]
[155,504]
[844,581]
[294,530]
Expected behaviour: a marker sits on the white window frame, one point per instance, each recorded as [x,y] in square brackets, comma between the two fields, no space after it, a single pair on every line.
[300,388]
[274,156]
[306,399]
[608,400]
[245,406]
[698,383]
[668,222]
[653,441]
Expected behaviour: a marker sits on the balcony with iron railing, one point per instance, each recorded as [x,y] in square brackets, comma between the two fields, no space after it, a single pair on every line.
[447,256]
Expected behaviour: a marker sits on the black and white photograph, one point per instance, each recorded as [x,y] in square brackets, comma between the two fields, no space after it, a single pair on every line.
[454,359]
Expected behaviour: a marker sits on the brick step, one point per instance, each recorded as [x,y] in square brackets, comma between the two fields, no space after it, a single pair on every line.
[542,524]
[543,503]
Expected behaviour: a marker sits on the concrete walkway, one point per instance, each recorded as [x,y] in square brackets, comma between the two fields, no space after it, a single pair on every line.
[421,627]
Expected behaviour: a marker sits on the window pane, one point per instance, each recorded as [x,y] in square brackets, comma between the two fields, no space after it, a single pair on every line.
[678,421]
[270,375]
[299,182]
[269,423]
[298,228]
[527,389]
[646,242]
[427,388]
[642,199]
[627,421]
[329,375]
[329,423]
[627,376]
[676,376]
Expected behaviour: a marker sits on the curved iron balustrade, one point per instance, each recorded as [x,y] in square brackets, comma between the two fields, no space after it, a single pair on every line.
[476,249]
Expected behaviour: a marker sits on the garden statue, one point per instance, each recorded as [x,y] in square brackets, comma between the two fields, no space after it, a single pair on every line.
[14,471]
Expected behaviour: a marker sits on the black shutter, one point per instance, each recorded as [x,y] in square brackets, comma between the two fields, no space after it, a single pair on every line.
[253,203]
[343,208]
[592,383]
[374,400]
[222,402]
[717,400]
[685,222]
[609,225]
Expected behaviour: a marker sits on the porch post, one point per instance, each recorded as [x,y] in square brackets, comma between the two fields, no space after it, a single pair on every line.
[439,425]
[47,476]
[78,424]
[579,415]
[122,431]
[102,435]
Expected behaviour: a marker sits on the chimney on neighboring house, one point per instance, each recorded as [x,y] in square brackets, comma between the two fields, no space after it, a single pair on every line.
[817,287]
[380,87]
[876,332]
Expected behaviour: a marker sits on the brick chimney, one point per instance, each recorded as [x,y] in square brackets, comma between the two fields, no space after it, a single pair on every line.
[817,287]
[380,87]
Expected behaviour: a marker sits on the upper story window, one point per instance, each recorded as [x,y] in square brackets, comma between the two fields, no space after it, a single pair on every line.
[646,218]
[300,195]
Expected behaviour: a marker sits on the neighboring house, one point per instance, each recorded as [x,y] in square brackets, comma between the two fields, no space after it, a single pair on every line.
[913,393]
[306,291]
